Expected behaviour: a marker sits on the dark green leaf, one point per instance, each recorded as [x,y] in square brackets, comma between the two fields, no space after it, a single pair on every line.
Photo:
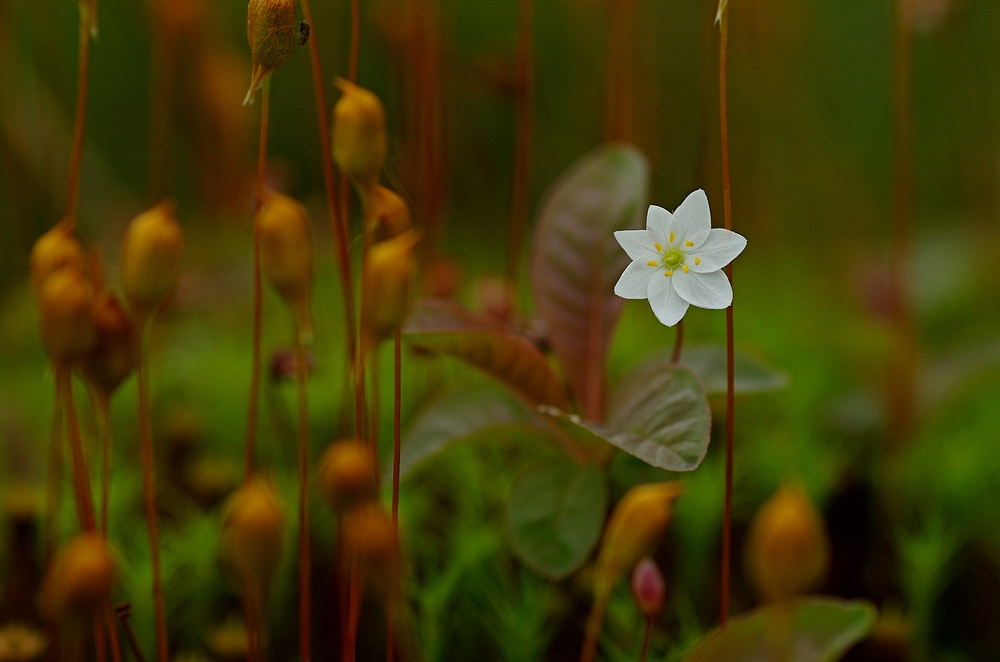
[808,630]
[577,261]
[445,328]
[555,515]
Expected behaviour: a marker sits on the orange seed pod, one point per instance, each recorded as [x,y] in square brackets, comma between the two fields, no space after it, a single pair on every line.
[56,249]
[388,274]
[80,578]
[639,519]
[271,35]
[65,304]
[347,475]
[388,215]
[252,530]
[111,359]
[286,255]
[358,135]
[151,255]
[787,550]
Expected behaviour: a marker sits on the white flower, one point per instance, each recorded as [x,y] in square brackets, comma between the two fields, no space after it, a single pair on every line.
[677,260]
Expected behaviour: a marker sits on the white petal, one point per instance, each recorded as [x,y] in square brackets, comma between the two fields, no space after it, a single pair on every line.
[634,280]
[721,247]
[661,224]
[695,218]
[638,244]
[667,305]
[711,290]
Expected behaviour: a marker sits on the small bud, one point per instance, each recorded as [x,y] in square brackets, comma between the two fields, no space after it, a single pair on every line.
[56,249]
[272,35]
[787,549]
[20,643]
[151,254]
[252,530]
[65,305]
[388,273]
[358,135]
[347,475]
[111,359]
[370,535]
[648,588]
[80,578]
[388,215]
[286,255]
[638,521]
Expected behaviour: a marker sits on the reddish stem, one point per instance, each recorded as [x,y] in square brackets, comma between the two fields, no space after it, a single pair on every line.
[675,356]
[148,461]
[53,491]
[80,119]
[81,477]
[253,654]
[258,294]
[730,351]
[353,613]
[647,640]
[397,388]
[305,552]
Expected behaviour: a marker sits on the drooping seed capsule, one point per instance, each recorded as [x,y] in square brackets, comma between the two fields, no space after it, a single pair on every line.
[638,521]
[81,577]
[347,475]
[286,255]
[371,537]
[252,530]
[787,550]
[388,273]
[388,215]
[65,305]
[151,255]
[271,34]
[648,587]
[56,249]
[358,135]
[111,359]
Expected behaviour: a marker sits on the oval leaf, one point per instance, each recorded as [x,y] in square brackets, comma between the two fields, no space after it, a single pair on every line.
[445,328]
[555,515]
[817,630]
[460,415]
[577,261]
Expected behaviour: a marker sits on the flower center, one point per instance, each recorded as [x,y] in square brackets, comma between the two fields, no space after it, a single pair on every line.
[673,257]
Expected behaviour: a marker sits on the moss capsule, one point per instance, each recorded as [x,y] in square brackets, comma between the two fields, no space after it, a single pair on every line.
[151,255]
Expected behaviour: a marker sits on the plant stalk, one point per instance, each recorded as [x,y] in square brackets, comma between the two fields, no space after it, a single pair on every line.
[305,551]
[80,118]
[675,355]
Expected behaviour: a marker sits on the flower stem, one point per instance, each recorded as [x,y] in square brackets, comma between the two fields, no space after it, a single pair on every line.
[305,552]
[81,477]
[730,351]
[647,640]
[675,356]
[594,623]
[397,388]
[55,468]
[522,145]
[80,118]
[101,404]
[148,462]
[253,655]
[258,294]
[338,222]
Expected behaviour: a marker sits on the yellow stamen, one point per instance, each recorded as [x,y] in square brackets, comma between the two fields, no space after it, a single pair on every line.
[669,274]
[671,237]
[697,260]
[689,243]
[651,264]
[658,247]
[685,267]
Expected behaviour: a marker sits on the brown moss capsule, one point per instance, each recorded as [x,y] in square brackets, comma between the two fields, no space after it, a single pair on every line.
[111,359]
[370,535]
[388,273]
[271,34]
[252,530]
[56,249]
[388,214]
[787,551]
[358,135]
[65,304]
[80,578]
[19,643]
[637,522]
[151,255]
[286,255]
[347,475]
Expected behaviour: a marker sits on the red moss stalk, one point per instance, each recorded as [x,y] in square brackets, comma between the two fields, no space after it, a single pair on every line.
[80,116]
[305,551]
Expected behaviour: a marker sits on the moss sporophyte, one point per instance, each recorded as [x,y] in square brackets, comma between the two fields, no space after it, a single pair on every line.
[677,260]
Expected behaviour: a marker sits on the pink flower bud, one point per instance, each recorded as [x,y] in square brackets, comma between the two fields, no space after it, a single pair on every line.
[648,587]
